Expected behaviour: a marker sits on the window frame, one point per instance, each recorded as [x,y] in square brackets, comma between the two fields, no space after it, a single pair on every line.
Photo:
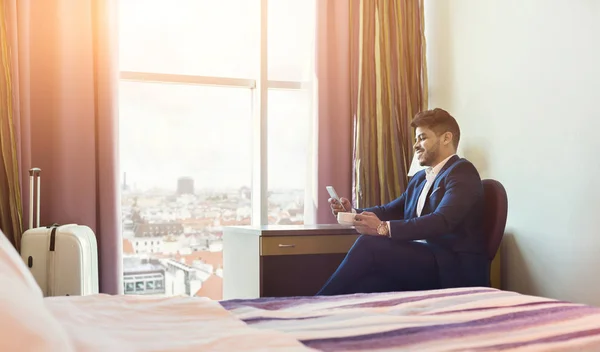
[259,87]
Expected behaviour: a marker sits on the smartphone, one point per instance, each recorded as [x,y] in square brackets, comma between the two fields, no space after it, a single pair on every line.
[333,194]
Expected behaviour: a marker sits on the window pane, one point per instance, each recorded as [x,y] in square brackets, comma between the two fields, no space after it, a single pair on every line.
[196,37]
[291,41]
[186,163]
[289,127]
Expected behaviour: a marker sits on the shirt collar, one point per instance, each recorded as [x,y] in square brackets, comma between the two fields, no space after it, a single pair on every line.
[432,172]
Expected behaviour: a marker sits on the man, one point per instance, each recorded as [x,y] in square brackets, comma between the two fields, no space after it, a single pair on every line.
[430,237]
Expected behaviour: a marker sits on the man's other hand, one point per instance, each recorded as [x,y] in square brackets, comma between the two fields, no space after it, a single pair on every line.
[336,207]
[366,223]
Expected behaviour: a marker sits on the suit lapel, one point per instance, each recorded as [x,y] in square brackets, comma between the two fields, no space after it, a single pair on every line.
[434,186]
[436,182]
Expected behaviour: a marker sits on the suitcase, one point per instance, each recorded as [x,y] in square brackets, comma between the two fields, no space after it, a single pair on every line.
[62,258]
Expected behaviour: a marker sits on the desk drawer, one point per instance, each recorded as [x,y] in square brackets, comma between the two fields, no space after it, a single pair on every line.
[296,245]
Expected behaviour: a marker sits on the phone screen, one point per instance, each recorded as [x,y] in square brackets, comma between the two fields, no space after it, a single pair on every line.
[333,193]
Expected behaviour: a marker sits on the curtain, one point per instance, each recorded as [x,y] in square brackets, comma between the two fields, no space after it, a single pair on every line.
[64,83]
[11,211]
[331,138]
[389,86]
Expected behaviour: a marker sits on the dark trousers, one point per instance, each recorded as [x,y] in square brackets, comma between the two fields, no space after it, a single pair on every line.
[378,264]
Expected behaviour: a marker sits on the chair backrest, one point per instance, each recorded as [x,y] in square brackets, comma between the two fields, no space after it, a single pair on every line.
[495,213]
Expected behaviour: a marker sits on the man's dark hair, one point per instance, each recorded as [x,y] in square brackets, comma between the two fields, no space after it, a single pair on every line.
[440,121]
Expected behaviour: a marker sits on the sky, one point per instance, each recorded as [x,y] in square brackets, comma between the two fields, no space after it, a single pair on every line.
[171,130]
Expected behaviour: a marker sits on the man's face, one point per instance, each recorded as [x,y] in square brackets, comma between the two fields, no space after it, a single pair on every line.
[427,146]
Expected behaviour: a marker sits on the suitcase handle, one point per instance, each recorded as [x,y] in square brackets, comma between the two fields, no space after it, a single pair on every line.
[33,172]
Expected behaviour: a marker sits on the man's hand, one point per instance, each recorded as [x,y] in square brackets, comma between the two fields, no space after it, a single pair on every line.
[336,207]
[366,223]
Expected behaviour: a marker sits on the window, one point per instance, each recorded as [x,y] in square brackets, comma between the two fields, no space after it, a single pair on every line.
[215,128]
[171,131]
[139,286]
[290,40]
[288,131]
[190,37]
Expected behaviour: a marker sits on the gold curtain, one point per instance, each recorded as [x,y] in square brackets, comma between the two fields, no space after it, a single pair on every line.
[389,86]
[11,212]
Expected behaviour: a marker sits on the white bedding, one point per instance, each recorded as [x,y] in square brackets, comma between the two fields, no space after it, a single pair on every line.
[30,322]
[129,323]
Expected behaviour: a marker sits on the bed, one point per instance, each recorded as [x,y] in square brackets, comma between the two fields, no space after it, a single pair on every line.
[467,319]
[462,319]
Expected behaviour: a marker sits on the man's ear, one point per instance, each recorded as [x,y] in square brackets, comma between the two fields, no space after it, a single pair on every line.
[447,138]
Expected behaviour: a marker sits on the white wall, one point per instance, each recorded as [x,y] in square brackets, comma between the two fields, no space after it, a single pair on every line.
[522,77]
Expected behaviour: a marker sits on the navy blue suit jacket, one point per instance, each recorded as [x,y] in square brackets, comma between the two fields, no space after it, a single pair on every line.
[450,222]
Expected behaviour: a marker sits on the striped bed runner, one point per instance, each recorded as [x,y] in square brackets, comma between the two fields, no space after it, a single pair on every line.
[463,319]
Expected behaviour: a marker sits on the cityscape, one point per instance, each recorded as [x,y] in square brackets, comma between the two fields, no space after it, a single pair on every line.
[172,239]
[186,149]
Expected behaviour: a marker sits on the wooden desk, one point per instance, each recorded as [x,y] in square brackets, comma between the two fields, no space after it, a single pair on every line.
[280,261]
[288,260]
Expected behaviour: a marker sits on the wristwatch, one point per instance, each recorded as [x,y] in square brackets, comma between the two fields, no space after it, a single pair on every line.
[383,229]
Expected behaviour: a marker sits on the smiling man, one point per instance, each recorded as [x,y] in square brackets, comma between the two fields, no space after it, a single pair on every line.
[430,237]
